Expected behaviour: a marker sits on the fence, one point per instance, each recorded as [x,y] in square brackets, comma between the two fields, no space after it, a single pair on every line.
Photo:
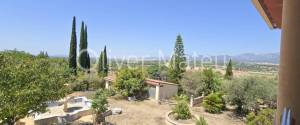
[195,101]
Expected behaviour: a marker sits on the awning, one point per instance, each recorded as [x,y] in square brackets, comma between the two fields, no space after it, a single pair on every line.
[271,11]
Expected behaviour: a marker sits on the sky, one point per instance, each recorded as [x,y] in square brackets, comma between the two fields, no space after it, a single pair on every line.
[137,27]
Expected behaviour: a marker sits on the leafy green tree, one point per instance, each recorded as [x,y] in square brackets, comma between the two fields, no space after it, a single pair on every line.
[27,83]
[105,62]
[157,72]
[246,92]
[83,47]
[264,117]
[214,103]
[229,73]
[198,83]
[177,63]
[211,80]
[192,83]
[130,82]
[73,49]
[99,104]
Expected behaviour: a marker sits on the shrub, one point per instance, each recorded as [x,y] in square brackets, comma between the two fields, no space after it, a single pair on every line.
[78,86]
[181,97]
[214,103]
[130,82]
[246,91]
[182,110]
[87,82]
[157,72]
[212,81]
[264,117]
[196,83]
[99,104]
[201,121]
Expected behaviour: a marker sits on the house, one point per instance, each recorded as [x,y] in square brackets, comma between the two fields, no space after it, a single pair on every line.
[158,90]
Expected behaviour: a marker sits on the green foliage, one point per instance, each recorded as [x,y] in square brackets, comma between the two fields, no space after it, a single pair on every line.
[105,62]
[245,92]
[157,72]
[130,82]
[211,80]
[214,103]
[201,121]
[87,81]
[192,83]
[83,57]
[198,83]
[229,73]
[250,117]
[99,103]
[73,49]
[264,117]
[79,86]
[177,63]
[182,110]
[42,54]
[88,62]
[102,67]
[27,83]
[182,97]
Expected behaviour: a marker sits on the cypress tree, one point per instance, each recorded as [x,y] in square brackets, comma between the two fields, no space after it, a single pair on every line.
[105,62]
[88,65]
[177,63]
[100,67]
[73,48]
[229,73]
[46,54]
[82,48]
[88,62]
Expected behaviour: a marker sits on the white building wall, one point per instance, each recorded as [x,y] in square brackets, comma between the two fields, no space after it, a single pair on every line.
[167,91]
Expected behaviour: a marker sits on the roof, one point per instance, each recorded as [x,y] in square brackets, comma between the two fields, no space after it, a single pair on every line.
[147,81]
[158,82]
[109,78]
[271,11]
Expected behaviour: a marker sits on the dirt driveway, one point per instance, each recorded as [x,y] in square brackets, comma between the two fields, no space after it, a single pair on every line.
[148,112]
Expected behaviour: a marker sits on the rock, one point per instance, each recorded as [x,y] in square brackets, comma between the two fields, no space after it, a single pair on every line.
[116,111]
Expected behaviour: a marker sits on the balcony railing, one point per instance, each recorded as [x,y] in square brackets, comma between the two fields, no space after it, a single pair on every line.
[286,117]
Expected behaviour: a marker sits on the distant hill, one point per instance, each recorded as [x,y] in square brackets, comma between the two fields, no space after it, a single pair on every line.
[272,58]
[266,58]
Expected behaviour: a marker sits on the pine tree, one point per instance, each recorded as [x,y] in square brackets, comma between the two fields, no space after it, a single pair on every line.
[73,49]
[83,48]
[100,67]
[229,73]
[105,62]
[177,63]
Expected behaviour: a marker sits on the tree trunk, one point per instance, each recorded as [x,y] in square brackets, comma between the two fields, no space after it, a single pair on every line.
[10,122]
[99,118]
